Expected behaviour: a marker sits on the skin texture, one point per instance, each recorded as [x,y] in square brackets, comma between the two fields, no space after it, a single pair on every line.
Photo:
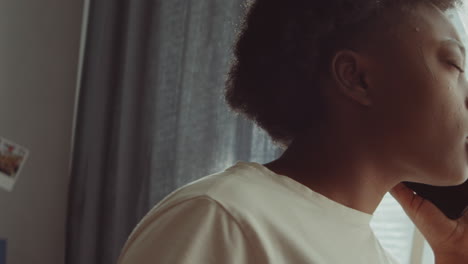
[397,112]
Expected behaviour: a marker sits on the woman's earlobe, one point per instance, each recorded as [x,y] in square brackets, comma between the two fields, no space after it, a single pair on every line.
[366,100]
[363,82]
[360,93]
[358,90]
[366,97]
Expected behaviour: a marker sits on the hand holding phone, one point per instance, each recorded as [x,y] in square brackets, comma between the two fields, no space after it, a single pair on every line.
[448,238]
[451,200]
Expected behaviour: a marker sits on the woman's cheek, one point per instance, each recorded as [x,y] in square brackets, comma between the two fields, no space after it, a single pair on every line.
[452,114]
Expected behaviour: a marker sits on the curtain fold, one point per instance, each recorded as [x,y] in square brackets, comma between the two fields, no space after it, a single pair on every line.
[151,115]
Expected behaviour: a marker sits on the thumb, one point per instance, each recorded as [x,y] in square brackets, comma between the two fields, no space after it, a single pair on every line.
[432,223]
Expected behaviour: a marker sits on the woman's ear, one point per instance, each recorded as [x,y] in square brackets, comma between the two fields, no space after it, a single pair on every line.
[350,76]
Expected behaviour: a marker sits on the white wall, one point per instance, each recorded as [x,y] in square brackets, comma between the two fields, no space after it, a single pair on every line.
[39,46]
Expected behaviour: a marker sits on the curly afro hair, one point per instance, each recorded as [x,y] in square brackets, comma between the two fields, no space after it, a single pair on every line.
[282,51]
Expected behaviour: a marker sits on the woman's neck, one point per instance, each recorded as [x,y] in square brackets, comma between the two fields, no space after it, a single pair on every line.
[343,170]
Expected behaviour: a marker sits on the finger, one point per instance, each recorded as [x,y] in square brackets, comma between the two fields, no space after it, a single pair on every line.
[432,223]
[407,199]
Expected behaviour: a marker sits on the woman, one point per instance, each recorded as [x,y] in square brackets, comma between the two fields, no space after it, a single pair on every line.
[362,95]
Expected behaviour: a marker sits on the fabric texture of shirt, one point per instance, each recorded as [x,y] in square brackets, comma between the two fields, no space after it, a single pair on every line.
[249,214]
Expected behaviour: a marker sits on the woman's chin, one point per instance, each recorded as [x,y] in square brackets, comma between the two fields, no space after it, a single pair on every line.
[464,177]
[448,177]
[455,179]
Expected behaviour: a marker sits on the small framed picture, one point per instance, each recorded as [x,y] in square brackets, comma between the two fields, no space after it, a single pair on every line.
[12,159]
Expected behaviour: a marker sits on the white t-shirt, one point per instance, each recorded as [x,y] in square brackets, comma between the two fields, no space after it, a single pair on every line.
[249,214]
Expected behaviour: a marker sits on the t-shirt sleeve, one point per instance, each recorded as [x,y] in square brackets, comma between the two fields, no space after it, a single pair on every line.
[198,230]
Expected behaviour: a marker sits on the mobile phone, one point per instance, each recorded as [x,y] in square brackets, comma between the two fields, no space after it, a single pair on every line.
[451,200]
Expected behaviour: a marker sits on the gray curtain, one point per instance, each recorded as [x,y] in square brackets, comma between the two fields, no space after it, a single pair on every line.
[151,115]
